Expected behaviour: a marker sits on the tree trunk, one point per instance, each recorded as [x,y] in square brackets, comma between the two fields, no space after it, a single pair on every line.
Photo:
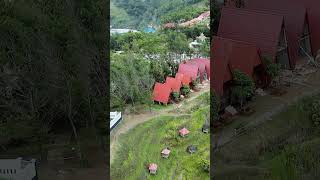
[74,129]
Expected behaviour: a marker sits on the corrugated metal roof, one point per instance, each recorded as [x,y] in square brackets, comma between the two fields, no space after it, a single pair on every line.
[161,93]
[229,55]
[294,17]
[206,63]
[292,10]
[174,83]
[189,69]
[185,79]
[254,27]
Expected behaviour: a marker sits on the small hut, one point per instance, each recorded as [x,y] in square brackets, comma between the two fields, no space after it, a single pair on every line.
[165,153]
[153,168]
[183,132]
[192,149]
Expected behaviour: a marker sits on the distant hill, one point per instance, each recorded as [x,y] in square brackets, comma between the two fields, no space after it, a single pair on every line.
[138,14]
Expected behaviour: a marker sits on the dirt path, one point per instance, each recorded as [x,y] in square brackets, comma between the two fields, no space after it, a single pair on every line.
[268,106]
[132,120]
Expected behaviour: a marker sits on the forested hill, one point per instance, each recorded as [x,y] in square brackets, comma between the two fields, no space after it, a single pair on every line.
[137,14]
[52,69]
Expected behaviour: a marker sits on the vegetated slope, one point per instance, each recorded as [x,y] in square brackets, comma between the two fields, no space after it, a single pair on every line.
[53,73]
[143,12]
[143,144]
[286,147]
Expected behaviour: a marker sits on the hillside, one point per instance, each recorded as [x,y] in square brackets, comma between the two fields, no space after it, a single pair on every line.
[138,14]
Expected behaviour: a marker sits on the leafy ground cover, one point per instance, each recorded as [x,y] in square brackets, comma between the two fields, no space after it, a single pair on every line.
[142,145]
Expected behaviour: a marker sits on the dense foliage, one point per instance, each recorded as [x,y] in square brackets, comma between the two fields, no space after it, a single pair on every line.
[131,80]
[183,15]
[157,57]
[138,14]
[243,86]
[53,69]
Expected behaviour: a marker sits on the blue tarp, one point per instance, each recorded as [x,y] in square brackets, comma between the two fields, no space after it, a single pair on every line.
[149,30]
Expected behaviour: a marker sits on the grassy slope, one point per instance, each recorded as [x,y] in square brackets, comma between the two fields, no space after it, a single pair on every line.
[263,152]
[143,144]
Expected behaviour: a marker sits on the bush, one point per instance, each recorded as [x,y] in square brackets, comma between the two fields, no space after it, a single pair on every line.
[175,95]
[243,86]
[204,164]
[185,90]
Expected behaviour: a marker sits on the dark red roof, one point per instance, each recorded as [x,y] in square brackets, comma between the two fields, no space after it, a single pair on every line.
[201,66]
[254,27]
[185,79]
[206,63]
[189,69]
[291,9]
[294,17]
[174,83]
[229,55]
[313,18]
[161,93]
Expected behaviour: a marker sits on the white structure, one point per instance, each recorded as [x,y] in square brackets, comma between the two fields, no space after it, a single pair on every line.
[18,169]
[121,31]
[115,118]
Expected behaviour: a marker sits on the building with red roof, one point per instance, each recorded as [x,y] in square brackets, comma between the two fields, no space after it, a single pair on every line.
[184,78]
[229,55]
[189,69]
[206,62]
[161,93]
[204,67]
[153,168]
[174,83]
[296,25]
[183,132]
[266,31]
[293,10]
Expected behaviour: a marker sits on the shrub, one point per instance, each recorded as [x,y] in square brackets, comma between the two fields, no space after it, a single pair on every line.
[204,164]
[175,95]
[243,86]
[185,90]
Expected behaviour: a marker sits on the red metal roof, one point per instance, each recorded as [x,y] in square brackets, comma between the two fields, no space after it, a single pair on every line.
[161,93]
[294,17]
[314,19]
[153,167]
[229,55]
[189,69]
[206,63]
[174,83]
[185,79]
[184,131]
[165,151]
[254,27]
[293,14]
[201,66]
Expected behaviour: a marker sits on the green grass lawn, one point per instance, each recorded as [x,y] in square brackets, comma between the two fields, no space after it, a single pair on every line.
[143,145]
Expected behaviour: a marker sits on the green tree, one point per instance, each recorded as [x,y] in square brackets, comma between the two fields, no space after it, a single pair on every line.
[243,86]
[272,69]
